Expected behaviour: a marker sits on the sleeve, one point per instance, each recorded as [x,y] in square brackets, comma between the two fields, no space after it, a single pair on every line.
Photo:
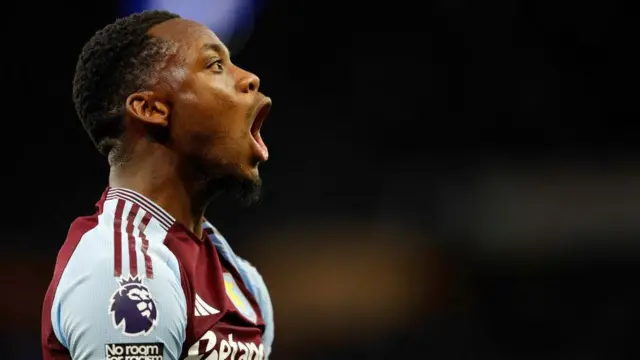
[99,316]
[259,289]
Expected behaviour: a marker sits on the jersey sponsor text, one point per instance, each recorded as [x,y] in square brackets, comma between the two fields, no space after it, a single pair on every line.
[208,348]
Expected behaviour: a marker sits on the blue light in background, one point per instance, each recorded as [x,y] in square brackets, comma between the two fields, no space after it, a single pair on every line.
[227,18]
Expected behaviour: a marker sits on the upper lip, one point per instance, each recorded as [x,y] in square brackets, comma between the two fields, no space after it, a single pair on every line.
[260,114]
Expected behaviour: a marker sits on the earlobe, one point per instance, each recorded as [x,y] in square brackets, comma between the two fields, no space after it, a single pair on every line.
[146,107]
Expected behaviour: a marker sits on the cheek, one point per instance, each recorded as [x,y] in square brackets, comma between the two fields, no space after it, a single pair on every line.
[216,92]
[210,117]
[197,129]
[206,106]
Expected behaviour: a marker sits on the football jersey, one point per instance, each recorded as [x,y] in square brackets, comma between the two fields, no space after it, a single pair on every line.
[131,283]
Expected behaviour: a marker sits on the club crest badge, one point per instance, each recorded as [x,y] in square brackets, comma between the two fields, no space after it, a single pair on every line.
[132,307]
[238,299]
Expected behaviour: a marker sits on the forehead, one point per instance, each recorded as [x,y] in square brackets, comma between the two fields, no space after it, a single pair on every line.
[192,37]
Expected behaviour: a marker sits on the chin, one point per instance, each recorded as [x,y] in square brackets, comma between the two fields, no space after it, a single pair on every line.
[248,189]
[242,186]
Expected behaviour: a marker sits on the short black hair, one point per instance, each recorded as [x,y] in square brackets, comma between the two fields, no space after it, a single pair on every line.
[117,61]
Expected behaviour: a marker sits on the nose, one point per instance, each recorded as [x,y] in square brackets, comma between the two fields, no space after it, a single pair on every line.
[249,83]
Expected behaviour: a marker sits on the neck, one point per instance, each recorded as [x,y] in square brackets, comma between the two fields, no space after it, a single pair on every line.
[158,175]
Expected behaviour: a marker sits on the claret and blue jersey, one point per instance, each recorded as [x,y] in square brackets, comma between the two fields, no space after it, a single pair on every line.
[131,283]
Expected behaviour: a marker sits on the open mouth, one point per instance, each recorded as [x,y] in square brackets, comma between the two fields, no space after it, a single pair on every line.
[256,125]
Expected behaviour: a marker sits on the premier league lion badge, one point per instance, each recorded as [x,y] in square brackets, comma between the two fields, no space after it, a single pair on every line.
[132,307]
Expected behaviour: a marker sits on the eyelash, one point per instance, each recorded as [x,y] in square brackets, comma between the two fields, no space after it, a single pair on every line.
[213,63]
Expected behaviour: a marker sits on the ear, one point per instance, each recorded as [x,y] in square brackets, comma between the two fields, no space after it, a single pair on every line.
[148,108]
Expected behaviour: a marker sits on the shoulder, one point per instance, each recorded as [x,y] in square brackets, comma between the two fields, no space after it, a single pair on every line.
[252,279]
[249,272]
[116,244]
[258,287]
[117,280]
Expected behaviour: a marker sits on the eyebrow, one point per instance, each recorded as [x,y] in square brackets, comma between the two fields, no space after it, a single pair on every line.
[219,48]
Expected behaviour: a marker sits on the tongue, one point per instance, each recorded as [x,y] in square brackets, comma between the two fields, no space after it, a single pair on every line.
[264,152]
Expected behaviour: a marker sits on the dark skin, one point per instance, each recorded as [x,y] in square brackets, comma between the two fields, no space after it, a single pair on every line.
[197,131]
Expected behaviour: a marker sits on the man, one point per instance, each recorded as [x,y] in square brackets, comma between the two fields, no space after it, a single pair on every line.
[146,277]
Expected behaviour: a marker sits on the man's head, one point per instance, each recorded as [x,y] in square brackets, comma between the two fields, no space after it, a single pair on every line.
[158,78]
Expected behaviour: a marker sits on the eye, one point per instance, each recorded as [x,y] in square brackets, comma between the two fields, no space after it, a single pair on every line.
[134,294]
[216,65]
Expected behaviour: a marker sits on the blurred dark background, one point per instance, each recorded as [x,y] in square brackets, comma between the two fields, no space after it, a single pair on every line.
[449,179]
